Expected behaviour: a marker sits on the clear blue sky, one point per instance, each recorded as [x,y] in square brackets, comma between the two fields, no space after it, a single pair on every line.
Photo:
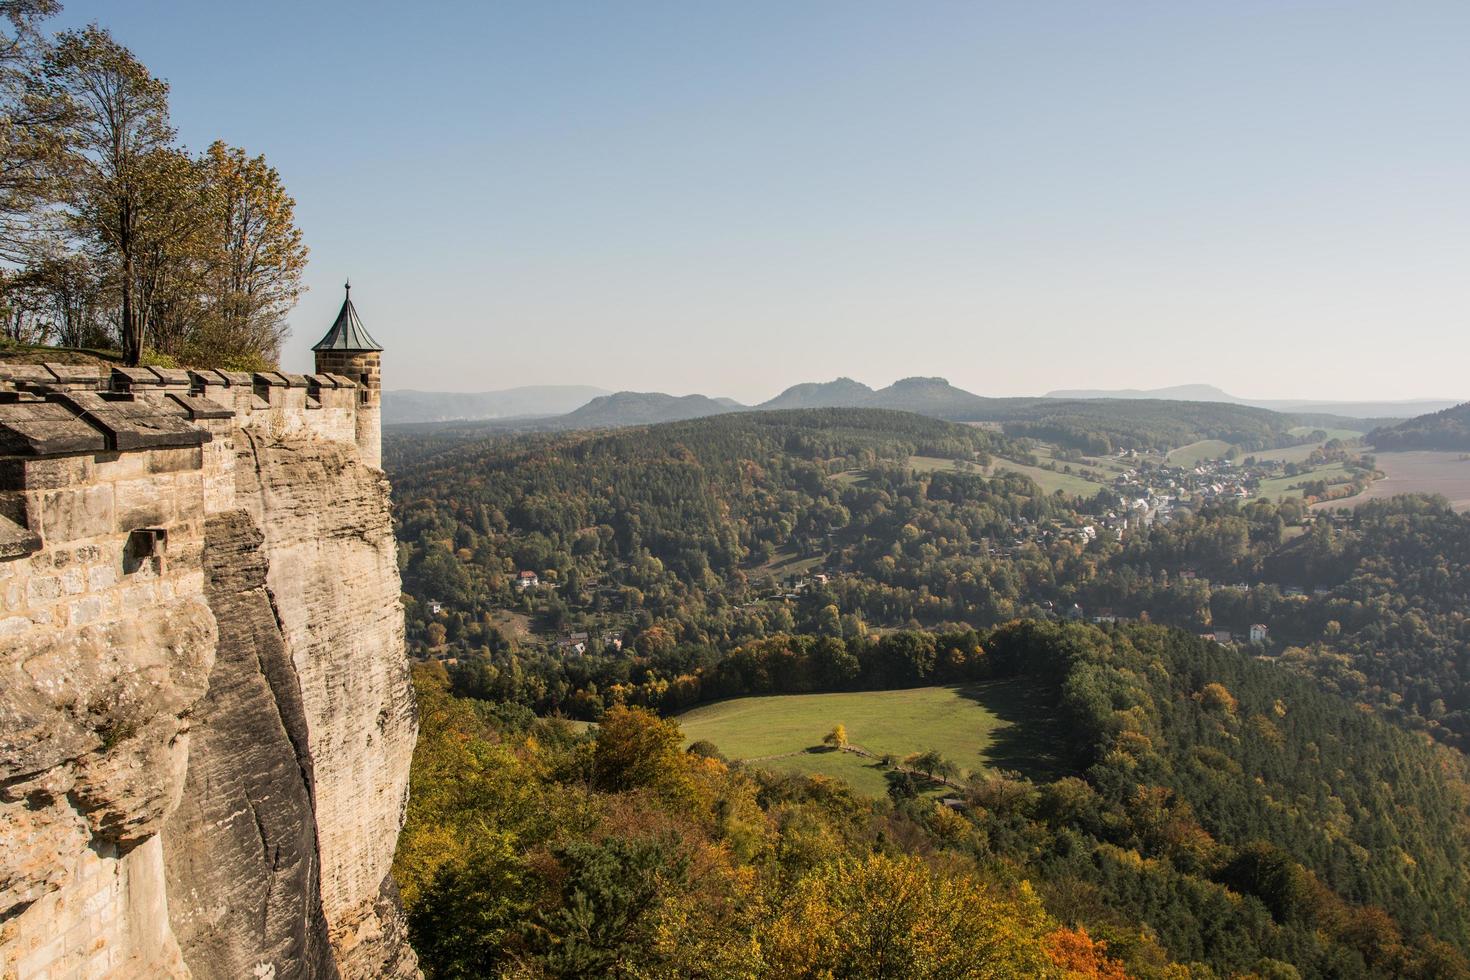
[732,197]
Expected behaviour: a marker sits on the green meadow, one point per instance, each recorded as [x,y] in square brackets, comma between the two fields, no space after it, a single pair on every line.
[998,724]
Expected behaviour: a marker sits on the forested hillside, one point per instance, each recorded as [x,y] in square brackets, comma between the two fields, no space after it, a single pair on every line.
[682,541]
[1102,426]
[1446,430]
[1221,818]
[1096,426]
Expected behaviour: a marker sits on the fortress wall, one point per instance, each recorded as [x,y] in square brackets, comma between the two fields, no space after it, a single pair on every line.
[204,749]
[102,656]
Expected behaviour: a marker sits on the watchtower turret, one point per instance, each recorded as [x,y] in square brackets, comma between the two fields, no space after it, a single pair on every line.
[348,349]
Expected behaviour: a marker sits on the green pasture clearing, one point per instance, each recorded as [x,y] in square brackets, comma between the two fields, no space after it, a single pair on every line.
[1281,486]
[1109,466]
[1048,481]
[1051,482]
[929,464]
[787,562]
[1299,454]
[1001,724]
[1197,452]
[516,624]
[1289,454]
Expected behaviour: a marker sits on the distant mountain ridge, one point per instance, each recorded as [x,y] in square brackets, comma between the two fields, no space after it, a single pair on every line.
[565,406]
[1366,409]
[1092,424]
[1097,425]
[643,408]
[923,396]
[839,393]
[406,406]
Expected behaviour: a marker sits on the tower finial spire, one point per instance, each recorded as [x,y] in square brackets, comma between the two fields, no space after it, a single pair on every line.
[349,285]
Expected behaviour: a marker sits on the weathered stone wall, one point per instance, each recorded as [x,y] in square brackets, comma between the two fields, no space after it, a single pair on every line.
[102,661]
[205,715]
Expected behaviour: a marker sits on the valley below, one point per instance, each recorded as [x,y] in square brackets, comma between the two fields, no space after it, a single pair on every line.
[1195,674]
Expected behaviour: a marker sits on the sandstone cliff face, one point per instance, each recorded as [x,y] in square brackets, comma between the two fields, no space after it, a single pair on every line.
[334,578]
[239,850]
[206,720]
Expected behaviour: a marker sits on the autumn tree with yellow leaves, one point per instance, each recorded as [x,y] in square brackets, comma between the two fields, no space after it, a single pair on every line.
[116,232]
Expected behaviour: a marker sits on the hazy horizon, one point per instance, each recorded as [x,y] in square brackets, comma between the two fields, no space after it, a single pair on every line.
[732,199]
[884,384]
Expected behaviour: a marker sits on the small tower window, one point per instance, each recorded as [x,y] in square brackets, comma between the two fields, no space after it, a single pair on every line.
[145,546]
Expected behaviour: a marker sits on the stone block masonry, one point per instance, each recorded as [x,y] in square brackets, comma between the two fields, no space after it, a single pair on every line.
[206,719]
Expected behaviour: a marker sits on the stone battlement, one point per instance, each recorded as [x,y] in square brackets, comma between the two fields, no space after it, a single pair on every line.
[322,405]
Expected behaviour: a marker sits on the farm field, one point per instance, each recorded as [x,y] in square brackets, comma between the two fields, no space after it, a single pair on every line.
[1049,481]
[928,464]
[1447,474]
[787,562]
[1281,486]
[1198,452]
[1289,454]
[997,723]
[1106,466]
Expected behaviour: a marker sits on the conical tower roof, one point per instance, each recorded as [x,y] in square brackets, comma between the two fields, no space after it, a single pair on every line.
[348,333]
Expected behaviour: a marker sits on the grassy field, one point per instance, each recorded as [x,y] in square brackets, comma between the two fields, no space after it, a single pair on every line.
[1290,454]
[515,624]
[1299,454]
[928,464]
[1106,464]
[1447,474]
[786,562]
[1279,487]
[999,723]
[1197,452]
[1049,481]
